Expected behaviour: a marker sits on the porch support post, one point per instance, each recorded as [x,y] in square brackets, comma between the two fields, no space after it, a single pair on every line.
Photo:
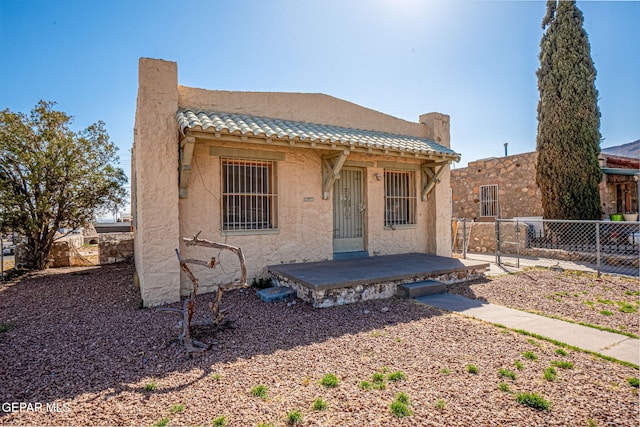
[331,167]
[186,153]
[430,174]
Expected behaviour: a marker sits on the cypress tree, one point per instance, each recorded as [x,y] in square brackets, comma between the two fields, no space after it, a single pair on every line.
[568,140]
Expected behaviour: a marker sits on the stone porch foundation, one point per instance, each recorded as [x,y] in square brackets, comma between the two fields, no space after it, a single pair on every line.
[339,282]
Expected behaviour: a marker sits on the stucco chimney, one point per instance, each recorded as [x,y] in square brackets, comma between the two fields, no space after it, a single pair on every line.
[437,128]
[156,182]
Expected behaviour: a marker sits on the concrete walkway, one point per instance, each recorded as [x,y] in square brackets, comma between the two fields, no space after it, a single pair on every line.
[609,344]
[509,265]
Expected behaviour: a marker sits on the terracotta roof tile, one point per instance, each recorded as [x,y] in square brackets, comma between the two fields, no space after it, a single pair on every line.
[309,132]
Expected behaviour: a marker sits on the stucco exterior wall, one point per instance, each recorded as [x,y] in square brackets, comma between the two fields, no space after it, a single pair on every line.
[439,200]
[305,219]
[156,175]
[295,106]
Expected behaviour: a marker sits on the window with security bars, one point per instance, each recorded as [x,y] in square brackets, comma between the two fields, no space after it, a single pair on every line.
[489,200]
[399,198]
[249,196]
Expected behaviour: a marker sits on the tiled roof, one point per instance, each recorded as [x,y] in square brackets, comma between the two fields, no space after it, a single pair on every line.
[264,127]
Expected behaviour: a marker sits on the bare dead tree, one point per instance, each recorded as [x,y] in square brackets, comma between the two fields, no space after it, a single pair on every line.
[216,316]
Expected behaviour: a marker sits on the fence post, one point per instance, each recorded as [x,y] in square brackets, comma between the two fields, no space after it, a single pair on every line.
[517,244]
[1,256]
[598,247]
[498,260]
[464,238]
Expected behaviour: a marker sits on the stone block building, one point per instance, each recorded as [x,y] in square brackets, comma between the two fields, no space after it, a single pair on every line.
[501,187]
[505,187]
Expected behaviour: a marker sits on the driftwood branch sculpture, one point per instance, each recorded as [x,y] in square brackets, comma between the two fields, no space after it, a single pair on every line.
[189,303]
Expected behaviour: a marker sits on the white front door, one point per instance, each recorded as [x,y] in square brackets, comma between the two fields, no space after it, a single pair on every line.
[348,211]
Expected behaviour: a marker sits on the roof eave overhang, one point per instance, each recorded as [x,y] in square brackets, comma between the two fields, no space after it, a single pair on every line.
[353,147]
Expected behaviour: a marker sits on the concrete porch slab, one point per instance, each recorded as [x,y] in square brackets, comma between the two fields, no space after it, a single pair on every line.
[360,271]
[337,282]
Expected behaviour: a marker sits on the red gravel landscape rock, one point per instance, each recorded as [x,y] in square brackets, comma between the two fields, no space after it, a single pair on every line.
[78,342]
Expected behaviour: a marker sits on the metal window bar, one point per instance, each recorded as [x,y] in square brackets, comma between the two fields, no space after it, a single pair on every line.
[489,200]
[400,198]
[249,196]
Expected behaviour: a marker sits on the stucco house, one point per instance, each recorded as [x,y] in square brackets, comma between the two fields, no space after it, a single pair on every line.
[505,187]
[288,177]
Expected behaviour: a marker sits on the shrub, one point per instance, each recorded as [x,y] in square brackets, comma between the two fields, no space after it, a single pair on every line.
[219,422]
[260,391]
[626,307]
[402,398]
[400,410]
[378,377]
[533,400]
[365,385]
[441,404]
[319,405]
[150,386]
[472,369]
[550,374]
[518,365]
[329,380]
[397,376]
[507,373]
[294,417]
[177,408]
[504,387]
[400,406]
[162,423]
[379,381]
[633,382]
[561,352]
[380,386]
[562,364]
[529,355]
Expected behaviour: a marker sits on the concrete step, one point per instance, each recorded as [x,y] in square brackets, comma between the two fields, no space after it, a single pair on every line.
[419,289]
[279,293]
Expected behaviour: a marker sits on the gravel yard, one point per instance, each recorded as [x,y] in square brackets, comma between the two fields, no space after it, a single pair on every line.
[78,344]
[609,301]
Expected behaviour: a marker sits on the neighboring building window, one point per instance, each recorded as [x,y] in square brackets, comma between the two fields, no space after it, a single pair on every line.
[249,196]
[399,198]
[489,200]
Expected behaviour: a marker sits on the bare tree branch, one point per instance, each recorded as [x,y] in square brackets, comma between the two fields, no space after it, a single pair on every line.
[189,328]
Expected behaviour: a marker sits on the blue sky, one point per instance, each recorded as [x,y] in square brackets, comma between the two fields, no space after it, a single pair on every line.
[473,60]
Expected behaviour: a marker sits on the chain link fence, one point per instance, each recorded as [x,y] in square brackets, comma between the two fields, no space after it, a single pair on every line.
[598,246]
[603,246]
